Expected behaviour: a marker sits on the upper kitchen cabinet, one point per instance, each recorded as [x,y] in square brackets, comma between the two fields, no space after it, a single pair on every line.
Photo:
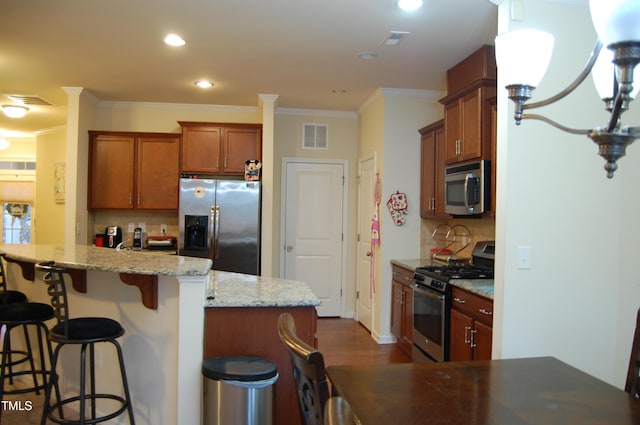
[222,149]
[432,171]
[466,118]
[133,171]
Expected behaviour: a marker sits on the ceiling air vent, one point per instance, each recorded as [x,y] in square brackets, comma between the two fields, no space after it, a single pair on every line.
[394,38]
[29,99]
[314,136]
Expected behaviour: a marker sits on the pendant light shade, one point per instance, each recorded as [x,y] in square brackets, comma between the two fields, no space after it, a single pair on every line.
[616,21]
[523,56]
[14,111]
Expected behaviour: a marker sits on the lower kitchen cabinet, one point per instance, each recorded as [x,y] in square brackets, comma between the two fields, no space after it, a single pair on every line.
[402,307]
[471,324]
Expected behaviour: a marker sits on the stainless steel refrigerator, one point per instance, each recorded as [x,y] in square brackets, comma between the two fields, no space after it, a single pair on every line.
[220,219]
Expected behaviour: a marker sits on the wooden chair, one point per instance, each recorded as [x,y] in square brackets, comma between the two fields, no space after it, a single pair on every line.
[338,412]
[308,372]
[633,375]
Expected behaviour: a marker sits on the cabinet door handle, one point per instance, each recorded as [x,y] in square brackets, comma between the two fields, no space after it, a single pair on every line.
[467,340]
[139,199]
[401,297]
[473,338]
[460,300]
[131,199]
[485,312]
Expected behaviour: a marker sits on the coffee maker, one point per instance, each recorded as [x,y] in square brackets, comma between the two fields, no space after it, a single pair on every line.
[114,236]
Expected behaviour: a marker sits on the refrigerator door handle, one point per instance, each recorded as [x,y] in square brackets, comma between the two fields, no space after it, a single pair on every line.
[215,231]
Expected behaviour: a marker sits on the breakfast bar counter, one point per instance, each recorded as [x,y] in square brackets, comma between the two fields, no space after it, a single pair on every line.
[161,302]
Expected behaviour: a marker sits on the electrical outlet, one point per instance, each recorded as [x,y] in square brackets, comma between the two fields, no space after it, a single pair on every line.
[143,226]
[130,227]
[163,229]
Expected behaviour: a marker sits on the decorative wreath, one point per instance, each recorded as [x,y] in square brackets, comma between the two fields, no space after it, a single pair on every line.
[16,210]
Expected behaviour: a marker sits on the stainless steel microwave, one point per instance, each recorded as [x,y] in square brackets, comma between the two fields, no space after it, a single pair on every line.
[467,188]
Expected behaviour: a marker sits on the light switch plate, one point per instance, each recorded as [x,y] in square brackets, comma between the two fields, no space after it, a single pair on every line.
[524,257]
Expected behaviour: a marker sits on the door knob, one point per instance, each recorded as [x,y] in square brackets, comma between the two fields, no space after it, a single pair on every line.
[369,253]
[289,248]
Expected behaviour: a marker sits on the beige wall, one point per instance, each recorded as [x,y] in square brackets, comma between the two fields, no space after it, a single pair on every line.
[389,124]
[342,146]
[49,213]
[578,300]
[154,117]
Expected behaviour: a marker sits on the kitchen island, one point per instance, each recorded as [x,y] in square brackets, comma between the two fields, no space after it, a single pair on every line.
[160,300]
[242,317]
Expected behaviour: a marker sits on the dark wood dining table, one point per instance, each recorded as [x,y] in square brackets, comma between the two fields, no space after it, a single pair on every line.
[531,391]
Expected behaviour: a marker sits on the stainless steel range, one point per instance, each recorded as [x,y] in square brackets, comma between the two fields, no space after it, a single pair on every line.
[432,299]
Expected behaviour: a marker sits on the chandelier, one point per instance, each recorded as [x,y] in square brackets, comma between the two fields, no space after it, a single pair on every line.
[523,57]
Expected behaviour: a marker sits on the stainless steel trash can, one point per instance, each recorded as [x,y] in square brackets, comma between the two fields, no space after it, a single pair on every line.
[238,390]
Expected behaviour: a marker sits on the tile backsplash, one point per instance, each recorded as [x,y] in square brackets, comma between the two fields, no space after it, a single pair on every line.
[482,229]
[151,221]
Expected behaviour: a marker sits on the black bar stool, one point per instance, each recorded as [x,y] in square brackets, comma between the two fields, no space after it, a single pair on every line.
[86,332]
[16,312]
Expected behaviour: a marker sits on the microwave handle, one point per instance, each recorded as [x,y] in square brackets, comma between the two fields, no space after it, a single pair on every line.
[466,192]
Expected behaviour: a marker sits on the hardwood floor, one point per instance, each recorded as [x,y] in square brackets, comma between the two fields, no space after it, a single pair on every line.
[345,341]
[341,341]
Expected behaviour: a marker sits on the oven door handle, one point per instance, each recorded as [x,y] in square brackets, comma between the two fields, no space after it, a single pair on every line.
[428,292]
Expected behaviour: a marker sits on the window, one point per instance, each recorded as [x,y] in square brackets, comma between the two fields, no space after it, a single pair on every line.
[16,223]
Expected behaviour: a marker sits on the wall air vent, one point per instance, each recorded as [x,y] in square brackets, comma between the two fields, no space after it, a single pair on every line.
[29,99]
[315,136]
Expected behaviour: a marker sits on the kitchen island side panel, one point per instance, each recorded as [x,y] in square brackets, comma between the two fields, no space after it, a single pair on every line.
[253,331]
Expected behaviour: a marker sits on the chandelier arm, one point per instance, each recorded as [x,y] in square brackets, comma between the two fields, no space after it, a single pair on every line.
[555,124]
[616,111]
[571,87]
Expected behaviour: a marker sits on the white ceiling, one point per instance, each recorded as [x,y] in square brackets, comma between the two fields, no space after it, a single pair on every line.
[301,50]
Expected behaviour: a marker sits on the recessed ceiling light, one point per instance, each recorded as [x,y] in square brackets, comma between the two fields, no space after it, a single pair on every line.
[174,40]
[203,84]
[409,5]
[367,55]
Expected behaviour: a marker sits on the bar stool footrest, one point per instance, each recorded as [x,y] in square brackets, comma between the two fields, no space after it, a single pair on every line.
[88,399]
[43,374]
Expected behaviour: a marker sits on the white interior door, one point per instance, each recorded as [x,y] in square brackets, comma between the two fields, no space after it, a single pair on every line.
[366,173]
[313,229]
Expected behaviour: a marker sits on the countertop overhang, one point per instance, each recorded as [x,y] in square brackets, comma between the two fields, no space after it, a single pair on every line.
[84,257]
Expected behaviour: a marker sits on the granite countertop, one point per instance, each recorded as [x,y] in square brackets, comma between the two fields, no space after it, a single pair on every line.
[483,287]
[228,289]
[86,257]
[413,263]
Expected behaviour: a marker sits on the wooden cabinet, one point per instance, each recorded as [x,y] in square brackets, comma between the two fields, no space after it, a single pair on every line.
[470,83]
[470,326]
[402,306]
[466,122]
[213,148]
[133,171]
[432,171]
